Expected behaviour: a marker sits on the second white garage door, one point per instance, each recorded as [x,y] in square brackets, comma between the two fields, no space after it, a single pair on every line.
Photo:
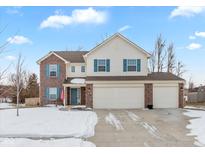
[165,96]
[117,96]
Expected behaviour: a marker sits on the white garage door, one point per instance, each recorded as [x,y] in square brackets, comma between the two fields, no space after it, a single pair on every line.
[118,96]
[165,96]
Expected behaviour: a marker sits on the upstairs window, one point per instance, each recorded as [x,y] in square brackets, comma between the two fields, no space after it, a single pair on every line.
[82,68]
[53,70]
[72,68]
[131,65]
[101,65]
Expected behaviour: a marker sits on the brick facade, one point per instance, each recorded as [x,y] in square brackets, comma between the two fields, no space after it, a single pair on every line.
[51,81]
[67,96]
[148,94]
[82,95]
[89,95]
[181,95]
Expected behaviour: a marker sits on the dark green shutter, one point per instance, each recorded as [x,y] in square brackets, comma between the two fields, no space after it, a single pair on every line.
[108,65]
[47,71]
[58,71]
[95,65]
[58,92]
[138,65]
[124,65]
[47,92]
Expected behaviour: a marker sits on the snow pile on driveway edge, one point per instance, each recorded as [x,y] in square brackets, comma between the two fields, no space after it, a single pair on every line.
[25,142]
[197,125]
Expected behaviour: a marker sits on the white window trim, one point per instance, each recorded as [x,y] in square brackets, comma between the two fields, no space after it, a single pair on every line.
[53,93]
[83,69]
[98,64]
[72,69]
[135,65]
[50,70]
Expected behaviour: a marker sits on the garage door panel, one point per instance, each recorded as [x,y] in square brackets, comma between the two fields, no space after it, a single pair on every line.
[165,96]
[118,97]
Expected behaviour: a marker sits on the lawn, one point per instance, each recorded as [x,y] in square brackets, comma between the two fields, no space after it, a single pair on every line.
[46,122]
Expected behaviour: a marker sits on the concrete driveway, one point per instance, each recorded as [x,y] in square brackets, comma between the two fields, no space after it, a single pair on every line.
[159,127]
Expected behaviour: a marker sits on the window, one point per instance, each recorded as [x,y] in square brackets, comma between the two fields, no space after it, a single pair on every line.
[82,68]
[72,68]
[52,93]
[131,65]
[53,70]
[101,65]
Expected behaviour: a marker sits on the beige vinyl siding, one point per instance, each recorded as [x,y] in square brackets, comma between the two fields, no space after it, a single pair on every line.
[77,72]
[116,50]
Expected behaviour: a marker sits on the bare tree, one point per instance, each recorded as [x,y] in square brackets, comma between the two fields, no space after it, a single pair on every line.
[159,46]
[19,79]
[3,47]
[170,58]
[79,48]
[152,61]
[180,69]
[191,84]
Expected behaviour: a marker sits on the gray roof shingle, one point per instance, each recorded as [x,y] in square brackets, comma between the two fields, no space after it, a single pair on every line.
[155,76]
[72,56]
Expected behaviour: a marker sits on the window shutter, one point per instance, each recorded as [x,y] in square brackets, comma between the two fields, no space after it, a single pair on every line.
[58,71]
[47,71]
[124,65]
[58,92]
[138,65]
[47,92]
[108,65]
[95,65]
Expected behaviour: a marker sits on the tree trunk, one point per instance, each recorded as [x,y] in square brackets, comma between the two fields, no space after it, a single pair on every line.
[17,106]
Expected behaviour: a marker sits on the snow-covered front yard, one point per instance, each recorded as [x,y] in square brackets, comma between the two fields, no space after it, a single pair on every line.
[197,125]
[46,122]
[6,106]
[24,142]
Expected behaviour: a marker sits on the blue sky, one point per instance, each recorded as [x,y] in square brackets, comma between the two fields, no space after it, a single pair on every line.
[34,31]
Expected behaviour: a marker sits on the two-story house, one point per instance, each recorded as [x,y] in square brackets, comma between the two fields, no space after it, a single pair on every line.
[114,74]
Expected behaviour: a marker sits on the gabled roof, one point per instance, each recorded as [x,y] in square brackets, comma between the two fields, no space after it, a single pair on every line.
[78,56]
[124,38]
[66,56]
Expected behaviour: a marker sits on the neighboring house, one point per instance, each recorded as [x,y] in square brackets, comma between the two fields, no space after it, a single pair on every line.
[196,95]
[114,74]
[6,93]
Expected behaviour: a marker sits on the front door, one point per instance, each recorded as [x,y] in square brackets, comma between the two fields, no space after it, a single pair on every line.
[75,96]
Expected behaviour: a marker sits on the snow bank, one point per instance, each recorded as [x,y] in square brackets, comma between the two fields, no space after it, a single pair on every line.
[197,125]
[78,81]
[112,120]
[47,122]
[6,105]
[23,142]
